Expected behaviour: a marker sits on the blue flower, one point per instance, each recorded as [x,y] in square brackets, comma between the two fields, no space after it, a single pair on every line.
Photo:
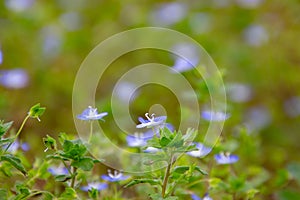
[91,114]
[14,79]
[58,171]
[137,140]
[96,185]
[226,158]
[115,177]
[215,116]
[151,122]
[206,197]
[201,152]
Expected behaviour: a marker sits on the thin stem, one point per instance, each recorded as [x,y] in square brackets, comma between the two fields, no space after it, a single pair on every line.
[91,131]
[73,177]
[18,133]
[66,166]
[166,178]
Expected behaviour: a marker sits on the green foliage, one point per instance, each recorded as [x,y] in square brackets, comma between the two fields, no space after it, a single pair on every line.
[36,111]
[4,127]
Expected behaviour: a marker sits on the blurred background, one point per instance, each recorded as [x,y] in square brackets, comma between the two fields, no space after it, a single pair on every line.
[255,43]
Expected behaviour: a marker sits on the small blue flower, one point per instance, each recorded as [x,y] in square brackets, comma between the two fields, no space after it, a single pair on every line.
[201,152]
[137,140]
[91,114]
[215,116]
[206,197]
[58,171]
[115,177]
[151,122]
[96,185]
[14,79]
[226,158]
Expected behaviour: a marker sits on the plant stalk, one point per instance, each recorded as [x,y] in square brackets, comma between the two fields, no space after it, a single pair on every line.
[73,177]
[166,178]
[18,133]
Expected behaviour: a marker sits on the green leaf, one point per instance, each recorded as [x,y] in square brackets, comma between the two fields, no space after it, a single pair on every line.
[164,141]
[85,163]
[4,127]
[22,189]
[197,168]
[36,111]
[50,143]
[69,193]
[138,181]
[14,161]
[154,142]
[5,141]
[62,178]
[181,169]
[73,149]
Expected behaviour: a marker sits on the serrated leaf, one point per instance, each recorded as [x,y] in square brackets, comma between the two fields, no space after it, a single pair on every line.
[4,127]
[14,161]
[85,164]
[138,181]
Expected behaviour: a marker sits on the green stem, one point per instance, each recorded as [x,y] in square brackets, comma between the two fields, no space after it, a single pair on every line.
[18,133]
[166,177]
[73,177]
[91,131]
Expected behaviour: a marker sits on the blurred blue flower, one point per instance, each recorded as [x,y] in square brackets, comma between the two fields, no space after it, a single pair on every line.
[1,57]
[249,3]
[18,5]
[150,133]
[187,57]
[91,114]
[168,13]
[226,158]
[195,197]
[239,92]
[151,122]
[256,35]
[96,185]
[114,177]
[14,79]
[58,171]
[214,116]
[201,152]
[137,140]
